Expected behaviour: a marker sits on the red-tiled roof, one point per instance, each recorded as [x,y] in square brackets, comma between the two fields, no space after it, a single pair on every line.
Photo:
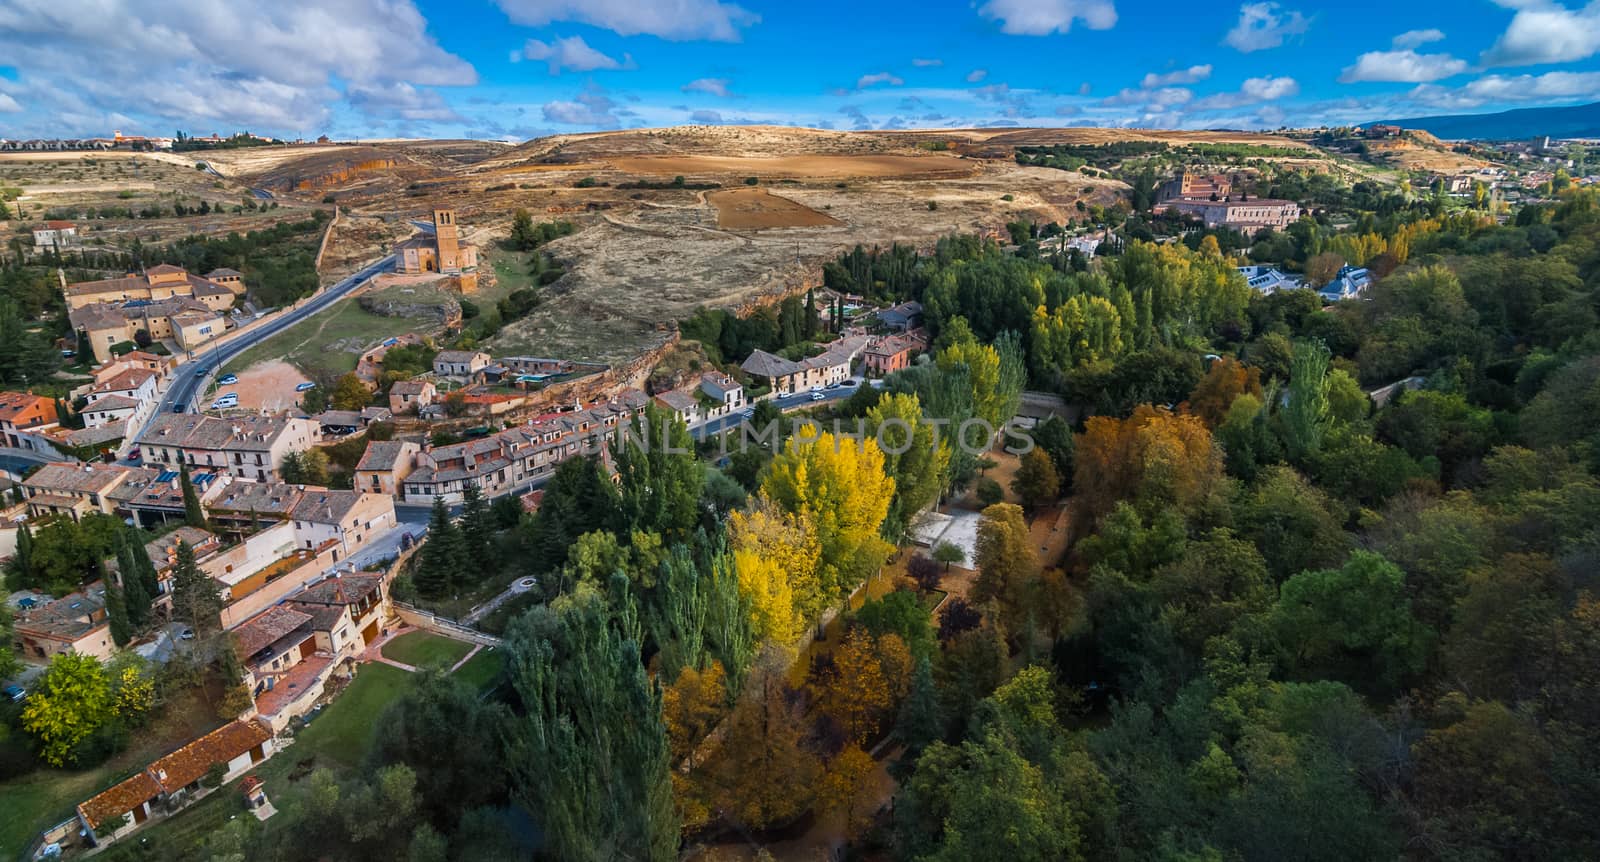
[189,763]
[120,799]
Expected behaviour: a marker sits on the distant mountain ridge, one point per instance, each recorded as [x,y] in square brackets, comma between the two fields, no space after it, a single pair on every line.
[1572,121]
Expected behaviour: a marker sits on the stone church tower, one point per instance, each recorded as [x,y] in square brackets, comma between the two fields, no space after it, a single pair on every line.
[448,240]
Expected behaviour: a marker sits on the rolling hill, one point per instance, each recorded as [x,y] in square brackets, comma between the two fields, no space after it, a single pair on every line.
[1573,121]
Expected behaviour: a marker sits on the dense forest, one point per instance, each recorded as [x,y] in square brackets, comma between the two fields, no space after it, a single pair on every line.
[1291,623]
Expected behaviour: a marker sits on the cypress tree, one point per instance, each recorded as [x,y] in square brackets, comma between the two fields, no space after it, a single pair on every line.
[443,559]
[809,324]
[194,595]
[116,609]
[22,557]
[193,515]
[477,529]
[134,595]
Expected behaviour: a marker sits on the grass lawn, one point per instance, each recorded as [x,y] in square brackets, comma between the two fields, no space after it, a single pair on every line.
[337,739]
[330,341]
[48,796]
[483,669]
[426,649]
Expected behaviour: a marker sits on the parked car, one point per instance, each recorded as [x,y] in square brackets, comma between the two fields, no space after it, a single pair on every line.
[833,386]
[816,389]
[306,386]
[227,380]
[186,635]
[226,401]
[14,693]
[135,454]
[850,382]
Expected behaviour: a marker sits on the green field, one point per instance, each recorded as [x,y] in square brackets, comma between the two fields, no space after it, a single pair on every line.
[329,343]
[483,669]
[425,649]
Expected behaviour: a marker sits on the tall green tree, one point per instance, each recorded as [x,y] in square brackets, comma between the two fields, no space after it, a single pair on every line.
[477,527]
[443,564]
[196,599]
[659,477]
[193,515]
[116,610]
[590,753]
[921,722]
[1305,415]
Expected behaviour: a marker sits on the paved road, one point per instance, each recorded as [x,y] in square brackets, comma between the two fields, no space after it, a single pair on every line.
[259,194]
[785,404]
[193,376]
[19,461]
[412,519]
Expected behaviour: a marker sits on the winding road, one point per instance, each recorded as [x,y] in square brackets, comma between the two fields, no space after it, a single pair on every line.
[193,376]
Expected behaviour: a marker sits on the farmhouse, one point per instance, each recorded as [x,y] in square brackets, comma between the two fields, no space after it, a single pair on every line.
[460,363]
[409,396]
[55,234]
[125,807]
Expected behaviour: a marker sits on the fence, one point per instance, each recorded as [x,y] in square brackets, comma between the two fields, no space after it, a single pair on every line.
[431,621]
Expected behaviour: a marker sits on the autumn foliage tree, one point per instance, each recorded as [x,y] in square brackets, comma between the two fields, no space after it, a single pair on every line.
[1153,458]
[776,558]
[839,485]
[1225,380]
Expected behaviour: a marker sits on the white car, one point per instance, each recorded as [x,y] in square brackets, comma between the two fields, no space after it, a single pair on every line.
[817,396]
[817,388]
[226,401]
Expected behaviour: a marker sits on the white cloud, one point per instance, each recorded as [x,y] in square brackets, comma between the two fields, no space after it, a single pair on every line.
[592,108]
[707,117]
[977,75]
[866,81]
[1418,38]
[225,64]
[402,101]
[1043,17]
[1510,88]
[1252,91]
[9,105]
[925,62]
[669,19]
[1544,32]
[1161,96]
[1405,66]
[572,53]
[710,86]
[1191,75]
[1262,26]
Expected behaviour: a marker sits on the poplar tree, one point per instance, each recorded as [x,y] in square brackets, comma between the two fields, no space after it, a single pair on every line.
[591,753]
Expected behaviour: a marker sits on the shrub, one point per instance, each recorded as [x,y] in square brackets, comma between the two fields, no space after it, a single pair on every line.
[925,571]
[750,181]
[989,492]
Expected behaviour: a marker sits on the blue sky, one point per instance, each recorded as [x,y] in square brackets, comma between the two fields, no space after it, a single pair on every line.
[521,68]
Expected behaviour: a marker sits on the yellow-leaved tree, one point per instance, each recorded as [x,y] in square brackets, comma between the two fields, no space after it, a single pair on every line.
[776,556]
[840,486]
